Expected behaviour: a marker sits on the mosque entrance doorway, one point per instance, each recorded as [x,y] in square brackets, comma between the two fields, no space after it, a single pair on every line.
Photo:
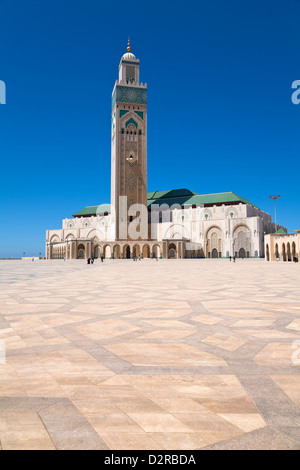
[214,253]
[242,253]
[81,252]
[128,252]
[97,252]
[172,251]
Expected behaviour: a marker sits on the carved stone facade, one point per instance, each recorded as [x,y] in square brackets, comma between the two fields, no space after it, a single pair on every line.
[190,232]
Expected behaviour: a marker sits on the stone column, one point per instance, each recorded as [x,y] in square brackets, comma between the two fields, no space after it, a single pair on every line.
[88,249]
[179,250]
[72,256]
[164,249]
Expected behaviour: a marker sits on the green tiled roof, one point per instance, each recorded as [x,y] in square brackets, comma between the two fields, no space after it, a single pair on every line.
[174,196]
[93,210]
[170,194]
[281,231]
[185,197]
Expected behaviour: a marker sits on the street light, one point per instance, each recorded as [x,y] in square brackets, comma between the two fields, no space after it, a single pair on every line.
[275,197]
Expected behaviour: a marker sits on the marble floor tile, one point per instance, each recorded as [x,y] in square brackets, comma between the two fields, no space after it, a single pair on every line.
[175,355]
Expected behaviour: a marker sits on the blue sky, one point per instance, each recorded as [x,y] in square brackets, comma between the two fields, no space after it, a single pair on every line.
[220,115]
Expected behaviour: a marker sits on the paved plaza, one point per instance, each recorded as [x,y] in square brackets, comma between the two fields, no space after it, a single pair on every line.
[168,354]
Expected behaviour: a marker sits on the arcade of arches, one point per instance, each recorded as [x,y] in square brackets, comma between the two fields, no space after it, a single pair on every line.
[282,247]
[171,248]
[84,249]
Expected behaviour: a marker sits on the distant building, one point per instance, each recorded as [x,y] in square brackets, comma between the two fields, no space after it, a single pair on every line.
[178,223]
[282,246]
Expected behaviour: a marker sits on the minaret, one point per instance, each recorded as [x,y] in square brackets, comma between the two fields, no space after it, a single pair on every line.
[128,139]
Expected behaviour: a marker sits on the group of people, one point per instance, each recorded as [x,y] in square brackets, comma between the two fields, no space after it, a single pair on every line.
[135,258]
[233,257]
[91,260]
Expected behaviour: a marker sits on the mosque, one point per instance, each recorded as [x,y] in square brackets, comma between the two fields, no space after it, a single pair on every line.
[178,223]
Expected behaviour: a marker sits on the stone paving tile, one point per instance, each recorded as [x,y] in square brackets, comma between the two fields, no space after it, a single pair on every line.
[187,354]
[290,384]
[23,430]
[180,440]
[69,429]
[131,441]
[172,354]
[230,343]
[207,319]
[276,354]
[293,433]
[294,325]
[273,404]
[245,421]
[159,422]
[11,404]
[263,439]
[113,423]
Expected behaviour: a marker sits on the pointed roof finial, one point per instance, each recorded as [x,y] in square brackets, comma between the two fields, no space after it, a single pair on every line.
[128,46]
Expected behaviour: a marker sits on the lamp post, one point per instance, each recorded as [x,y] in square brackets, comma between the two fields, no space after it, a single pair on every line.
[274,197]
